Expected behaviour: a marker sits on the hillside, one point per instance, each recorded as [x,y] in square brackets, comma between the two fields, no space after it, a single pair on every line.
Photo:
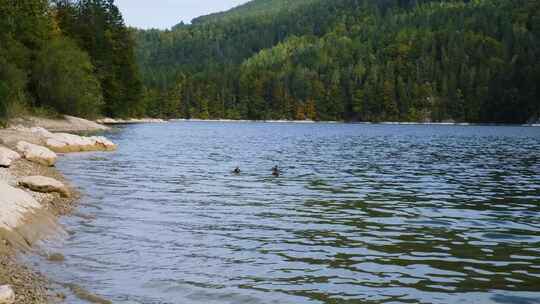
[254,8]
[406,60]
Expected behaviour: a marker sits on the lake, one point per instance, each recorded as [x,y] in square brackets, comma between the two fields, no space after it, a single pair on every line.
[360,214]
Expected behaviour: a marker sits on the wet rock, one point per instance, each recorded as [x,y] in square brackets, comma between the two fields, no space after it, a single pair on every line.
[84,294]
[103,143]
[8,156]
[37,154]
[56,257]
[61,296]
[45,185]
[84,216]
[7,295]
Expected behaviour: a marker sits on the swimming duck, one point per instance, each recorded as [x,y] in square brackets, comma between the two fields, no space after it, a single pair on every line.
[237,170]
[276,172]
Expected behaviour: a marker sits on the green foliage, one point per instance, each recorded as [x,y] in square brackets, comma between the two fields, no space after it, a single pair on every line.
[3,104]
[99,29]
[12,86]
[406,60]
[41,66]
[27,20]
[253,8]
[64,79]
[376,60]
[25,25]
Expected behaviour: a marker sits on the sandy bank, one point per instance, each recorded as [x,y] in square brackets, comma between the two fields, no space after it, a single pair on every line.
[67,124]
[27,216]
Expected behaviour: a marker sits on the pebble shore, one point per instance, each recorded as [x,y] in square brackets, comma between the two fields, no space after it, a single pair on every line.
[29,286]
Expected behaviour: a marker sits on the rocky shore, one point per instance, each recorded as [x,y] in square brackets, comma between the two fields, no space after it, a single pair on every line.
[66,124]
[33,194]
[120,121]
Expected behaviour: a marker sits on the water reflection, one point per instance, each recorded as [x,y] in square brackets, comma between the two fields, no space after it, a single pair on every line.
[361,214]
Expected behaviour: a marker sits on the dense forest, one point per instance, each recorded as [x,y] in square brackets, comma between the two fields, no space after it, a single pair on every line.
[69,57]
[354,60]
[252,9]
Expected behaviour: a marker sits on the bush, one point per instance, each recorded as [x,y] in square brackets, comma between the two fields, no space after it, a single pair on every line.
[65,81]
[3,104]
[12,86]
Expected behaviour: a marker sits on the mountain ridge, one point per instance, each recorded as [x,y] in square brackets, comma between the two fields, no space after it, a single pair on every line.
[253,8]
[386,60]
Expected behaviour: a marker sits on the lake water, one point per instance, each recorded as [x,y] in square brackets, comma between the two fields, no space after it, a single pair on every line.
[361,214]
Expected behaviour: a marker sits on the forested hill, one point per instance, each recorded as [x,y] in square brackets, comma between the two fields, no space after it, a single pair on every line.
[253,8]
[67,57]
[370,60]
[354,60]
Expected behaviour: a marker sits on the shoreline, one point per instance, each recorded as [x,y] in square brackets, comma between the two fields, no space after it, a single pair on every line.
[355,123]
[29,284]
[68,124]
[129,121]
[31,215]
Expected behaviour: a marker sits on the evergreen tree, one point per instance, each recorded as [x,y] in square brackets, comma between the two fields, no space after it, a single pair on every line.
[422,60]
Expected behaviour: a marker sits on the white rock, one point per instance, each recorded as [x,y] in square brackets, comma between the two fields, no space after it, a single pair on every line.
[111,121]
[44,184]
[66,143]
[7,156]
[7,295]
[20,128]
[41,131]
[14,205]
[106,120]
[37,154]
[103,144]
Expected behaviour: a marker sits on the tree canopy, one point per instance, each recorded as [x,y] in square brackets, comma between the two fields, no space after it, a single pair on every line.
[70,57]
[369,60]
[353,60]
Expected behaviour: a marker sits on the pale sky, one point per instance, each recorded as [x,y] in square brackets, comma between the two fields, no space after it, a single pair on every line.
[164,14]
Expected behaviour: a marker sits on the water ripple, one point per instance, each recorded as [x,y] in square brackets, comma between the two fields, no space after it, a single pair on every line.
[362,214]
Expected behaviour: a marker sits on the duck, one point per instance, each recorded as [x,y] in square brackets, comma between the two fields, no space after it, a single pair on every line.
[237,170]
[276,172]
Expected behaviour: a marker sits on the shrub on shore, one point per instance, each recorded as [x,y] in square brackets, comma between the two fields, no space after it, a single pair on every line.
[64,80]
[12,86]
[71,57]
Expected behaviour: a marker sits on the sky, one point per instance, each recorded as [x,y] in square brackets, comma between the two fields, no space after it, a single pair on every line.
[164,14]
